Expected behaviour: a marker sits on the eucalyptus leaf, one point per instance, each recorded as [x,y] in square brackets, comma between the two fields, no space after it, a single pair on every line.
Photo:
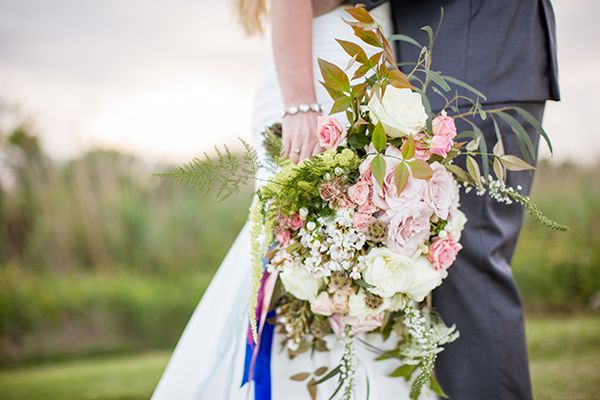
[474,171]
[536,124]
[522,135]
[404,38]
[514,163]
[498,169]
[465,85]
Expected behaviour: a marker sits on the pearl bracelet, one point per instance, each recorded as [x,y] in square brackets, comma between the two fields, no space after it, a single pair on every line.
[302,108]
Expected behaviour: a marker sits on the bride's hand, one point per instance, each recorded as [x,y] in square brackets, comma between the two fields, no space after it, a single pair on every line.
[299,136]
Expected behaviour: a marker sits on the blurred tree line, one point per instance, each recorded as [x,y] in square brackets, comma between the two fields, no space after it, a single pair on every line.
[97,255]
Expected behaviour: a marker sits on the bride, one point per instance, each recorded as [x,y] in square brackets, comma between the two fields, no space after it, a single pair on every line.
[208,362]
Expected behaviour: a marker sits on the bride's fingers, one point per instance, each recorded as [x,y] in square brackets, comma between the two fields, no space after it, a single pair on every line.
[317,149]
[307,150]
[295,149]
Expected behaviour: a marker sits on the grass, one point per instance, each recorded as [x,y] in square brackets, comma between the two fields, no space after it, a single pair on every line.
[565,363]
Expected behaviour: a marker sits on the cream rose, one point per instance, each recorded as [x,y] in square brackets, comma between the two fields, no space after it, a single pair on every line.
[358,309]
[390,273]
[400,111]
[300,283]
[457,224]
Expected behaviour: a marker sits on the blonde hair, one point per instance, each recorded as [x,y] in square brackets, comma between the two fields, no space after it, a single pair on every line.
[251,14]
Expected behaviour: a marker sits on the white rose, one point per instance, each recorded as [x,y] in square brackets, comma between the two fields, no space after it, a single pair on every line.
[300,283]
[457,223]
[400,111]
[391,273]
[358,309]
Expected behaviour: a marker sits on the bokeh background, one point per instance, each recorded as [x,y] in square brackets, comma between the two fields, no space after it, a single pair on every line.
[101,264]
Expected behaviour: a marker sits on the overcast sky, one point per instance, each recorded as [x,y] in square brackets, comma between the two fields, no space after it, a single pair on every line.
[163,79]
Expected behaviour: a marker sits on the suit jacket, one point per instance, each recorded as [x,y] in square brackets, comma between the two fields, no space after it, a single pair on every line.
[505,48]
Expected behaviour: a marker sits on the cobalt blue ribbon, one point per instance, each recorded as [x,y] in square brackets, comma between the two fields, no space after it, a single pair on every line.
[262,366]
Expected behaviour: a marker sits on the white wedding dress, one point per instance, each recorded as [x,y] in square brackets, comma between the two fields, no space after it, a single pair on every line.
[208,361]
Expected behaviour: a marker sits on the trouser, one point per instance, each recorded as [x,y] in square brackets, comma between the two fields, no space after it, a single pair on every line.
[489,360]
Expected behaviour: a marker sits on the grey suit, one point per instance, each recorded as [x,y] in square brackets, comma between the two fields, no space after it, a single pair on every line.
[507,49]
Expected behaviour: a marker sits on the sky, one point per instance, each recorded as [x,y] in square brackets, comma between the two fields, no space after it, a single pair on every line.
[168,80]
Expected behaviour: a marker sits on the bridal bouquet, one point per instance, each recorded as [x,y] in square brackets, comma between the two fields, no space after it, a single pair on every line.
[353,240]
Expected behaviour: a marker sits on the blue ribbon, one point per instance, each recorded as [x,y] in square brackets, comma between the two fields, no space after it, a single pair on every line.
[262,367]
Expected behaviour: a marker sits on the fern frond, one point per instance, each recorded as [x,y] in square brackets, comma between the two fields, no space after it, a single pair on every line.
[224,173]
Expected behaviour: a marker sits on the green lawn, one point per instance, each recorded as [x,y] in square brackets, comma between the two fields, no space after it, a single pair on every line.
[565,362]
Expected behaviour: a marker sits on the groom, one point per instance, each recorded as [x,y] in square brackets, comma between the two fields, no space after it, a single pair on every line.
[506,49]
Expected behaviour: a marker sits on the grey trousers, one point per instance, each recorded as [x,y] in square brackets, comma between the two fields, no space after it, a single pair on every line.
[489,361]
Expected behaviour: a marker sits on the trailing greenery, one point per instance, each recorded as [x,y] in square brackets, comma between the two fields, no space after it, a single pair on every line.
[224,173]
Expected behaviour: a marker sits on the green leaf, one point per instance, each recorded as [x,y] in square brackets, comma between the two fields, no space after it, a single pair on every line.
[408,148]
[473,144]
[361,71]
[465,85]
[498,149]
[522,135]
[330,375]
[399,80]
[321,370]
[299,377]
[514,163]
[404,38]
[536,124]
[498,169]
[360,14]
[379,138]
[354,50]
[404,371]
[312,389]
[340,104]
[367,36]
[362,283]
[437,78]
[401,175]
[420,169]
[436,387]
[334,76]
[458,172]
[378,169]
[473,170]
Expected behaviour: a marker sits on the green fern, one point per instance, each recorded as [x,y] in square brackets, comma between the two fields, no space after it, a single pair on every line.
[224,173]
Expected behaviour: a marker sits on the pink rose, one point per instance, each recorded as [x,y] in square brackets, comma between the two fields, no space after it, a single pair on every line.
[441,145]
[442,192]
[368,208]
[421,148]
[365,325]
[408,228]
[359,192]
[442,253]
[362,221]
[328,191]
[283,236]
[410,197]
[443,125]
[331,132]
[322,304]
[340,301]
[444,130]
[295,222]
[338,324]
